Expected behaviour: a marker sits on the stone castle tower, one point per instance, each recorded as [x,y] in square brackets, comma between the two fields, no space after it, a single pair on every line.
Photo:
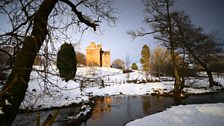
[95,56]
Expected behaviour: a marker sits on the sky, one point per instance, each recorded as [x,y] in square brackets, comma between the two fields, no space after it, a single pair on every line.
[116,39]
[205,13]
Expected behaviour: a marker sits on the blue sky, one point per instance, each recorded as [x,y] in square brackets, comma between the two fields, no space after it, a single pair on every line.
[116,39]
[208,14]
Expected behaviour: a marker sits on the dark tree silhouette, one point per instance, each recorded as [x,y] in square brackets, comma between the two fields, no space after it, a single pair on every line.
[66,62]
[159,17]
[32,22]
[202,47]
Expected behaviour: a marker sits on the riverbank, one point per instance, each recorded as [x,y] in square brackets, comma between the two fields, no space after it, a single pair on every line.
[185,115]
[58,93]
[118,109]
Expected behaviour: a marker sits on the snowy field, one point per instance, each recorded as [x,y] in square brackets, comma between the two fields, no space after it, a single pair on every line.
[59,93]
[185,115]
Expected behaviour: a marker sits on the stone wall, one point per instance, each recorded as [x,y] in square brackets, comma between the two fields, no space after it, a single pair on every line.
[106,59]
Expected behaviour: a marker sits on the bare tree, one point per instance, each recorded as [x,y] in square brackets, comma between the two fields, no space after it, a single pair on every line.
[159,15]
[202,47]
[127,61]
[159,59]
[81,58]
[118,63]
[32,24]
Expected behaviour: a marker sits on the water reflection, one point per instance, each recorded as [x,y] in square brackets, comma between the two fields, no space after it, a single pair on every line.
[146,104]
[118,110]
[102,106]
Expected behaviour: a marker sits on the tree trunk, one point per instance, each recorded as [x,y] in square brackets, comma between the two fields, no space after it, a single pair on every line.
[51,118]
[209,73]
[14,90]
[210,77]
[177,84]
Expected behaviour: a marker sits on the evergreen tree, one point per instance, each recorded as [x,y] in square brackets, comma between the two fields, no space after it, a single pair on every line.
[134,66]
[145,60]
[66,61]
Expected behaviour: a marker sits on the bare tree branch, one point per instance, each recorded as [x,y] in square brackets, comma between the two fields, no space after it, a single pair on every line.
[80,15]
[135,34]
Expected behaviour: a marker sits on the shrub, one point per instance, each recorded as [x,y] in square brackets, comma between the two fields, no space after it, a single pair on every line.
[66,62]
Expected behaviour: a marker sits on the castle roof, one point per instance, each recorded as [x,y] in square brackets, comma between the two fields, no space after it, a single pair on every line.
[106,52]
[94,45]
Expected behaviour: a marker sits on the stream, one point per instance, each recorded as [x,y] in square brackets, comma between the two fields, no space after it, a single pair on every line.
[118,110]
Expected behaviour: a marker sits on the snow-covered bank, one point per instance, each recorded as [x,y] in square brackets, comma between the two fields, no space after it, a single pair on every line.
[59,93]
[185,115]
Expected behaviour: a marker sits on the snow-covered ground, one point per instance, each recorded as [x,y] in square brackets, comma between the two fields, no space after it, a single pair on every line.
[59,93]
[185,115]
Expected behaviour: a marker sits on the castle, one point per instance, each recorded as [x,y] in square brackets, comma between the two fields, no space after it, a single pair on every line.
[95,56]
